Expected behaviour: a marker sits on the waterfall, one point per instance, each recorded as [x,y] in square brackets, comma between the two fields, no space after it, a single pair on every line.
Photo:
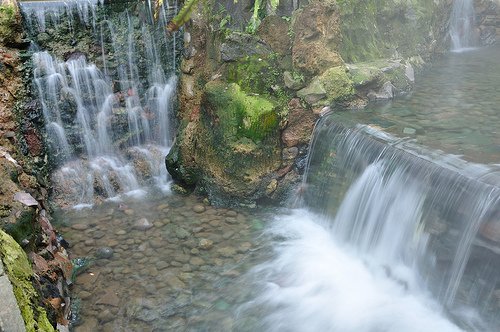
[462,25]
[41,14]
[387,240]
[108,128]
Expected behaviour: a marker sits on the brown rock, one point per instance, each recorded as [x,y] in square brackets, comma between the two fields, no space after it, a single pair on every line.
[300,125]
[109,298]
[273,30]
[317,38]
[491,231]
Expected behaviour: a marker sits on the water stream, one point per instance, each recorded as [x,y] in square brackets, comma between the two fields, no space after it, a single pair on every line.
[462,29]
[109,129]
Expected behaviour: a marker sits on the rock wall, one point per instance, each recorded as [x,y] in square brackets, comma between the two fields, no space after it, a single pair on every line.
[487,21]
[41,294]
[312,57]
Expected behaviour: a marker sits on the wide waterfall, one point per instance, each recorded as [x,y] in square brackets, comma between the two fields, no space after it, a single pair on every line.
[390,237]
[108,128]
[462,25]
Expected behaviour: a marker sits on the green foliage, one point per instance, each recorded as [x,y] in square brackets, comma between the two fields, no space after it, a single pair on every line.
[183,16]
[7,22]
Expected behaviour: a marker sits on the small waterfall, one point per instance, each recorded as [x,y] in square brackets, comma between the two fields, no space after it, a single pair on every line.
[43,14]
[387,240]
[462,25]
[109,129]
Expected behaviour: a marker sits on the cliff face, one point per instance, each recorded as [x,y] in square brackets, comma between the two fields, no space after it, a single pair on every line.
[23,195]
[301,57]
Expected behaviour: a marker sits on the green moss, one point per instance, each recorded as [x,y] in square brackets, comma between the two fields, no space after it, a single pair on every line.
[372,29]
[8,22]
[238,114]
[337,84]
[24,227]
[20,274]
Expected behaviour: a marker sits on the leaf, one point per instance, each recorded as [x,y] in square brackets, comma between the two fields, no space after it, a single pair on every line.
[183,16]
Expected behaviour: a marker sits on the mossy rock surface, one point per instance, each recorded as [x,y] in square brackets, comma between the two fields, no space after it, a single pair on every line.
[18,268]
[10,25]
[334,85]
[373,29]
[237,115]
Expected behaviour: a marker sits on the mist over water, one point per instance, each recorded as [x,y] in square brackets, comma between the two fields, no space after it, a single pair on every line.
[318,283]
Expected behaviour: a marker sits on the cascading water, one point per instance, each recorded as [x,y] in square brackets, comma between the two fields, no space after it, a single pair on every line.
[39,14]
[109,129]
[462,25]
[386,241]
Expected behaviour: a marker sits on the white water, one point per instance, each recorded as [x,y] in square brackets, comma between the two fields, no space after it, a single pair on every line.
[86,110]
[462,25]
[42,14]
[318,283]
[394,254]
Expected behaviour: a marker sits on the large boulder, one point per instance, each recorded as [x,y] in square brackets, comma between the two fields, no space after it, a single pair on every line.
[275,32]
[231,149]
[334,85]
[317,38]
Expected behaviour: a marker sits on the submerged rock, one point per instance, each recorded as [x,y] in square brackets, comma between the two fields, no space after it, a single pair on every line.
[198,208]
[142,224]
[104,252]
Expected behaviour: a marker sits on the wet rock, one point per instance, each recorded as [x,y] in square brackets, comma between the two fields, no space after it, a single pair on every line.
[160,265]
[274,31]
[317,38]
[142,224]
[105,316]
[409,131]
[104,253]
[181,233]
[25,199]
[80,227]
[175,282]
[196,261]
[205,244]
[239,45]
[227,252]
[90,324]
[84,295]
[129,212]
[313,93]
[231,213]
[490,231]
[385,92]
[300,125]
[198,208]
[109,298]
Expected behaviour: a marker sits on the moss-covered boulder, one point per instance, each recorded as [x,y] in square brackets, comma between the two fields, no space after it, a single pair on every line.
[20,274]
[333,86]
[232,148]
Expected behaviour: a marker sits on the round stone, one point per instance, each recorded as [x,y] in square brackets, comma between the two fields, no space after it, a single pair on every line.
[198,208]
[142,224]
[104,253]
[205,244]
[80,227]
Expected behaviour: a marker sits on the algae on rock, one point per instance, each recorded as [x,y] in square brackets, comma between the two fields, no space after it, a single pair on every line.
[20,273]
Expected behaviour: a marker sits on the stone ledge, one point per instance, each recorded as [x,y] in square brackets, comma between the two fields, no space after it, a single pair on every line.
[10,315]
